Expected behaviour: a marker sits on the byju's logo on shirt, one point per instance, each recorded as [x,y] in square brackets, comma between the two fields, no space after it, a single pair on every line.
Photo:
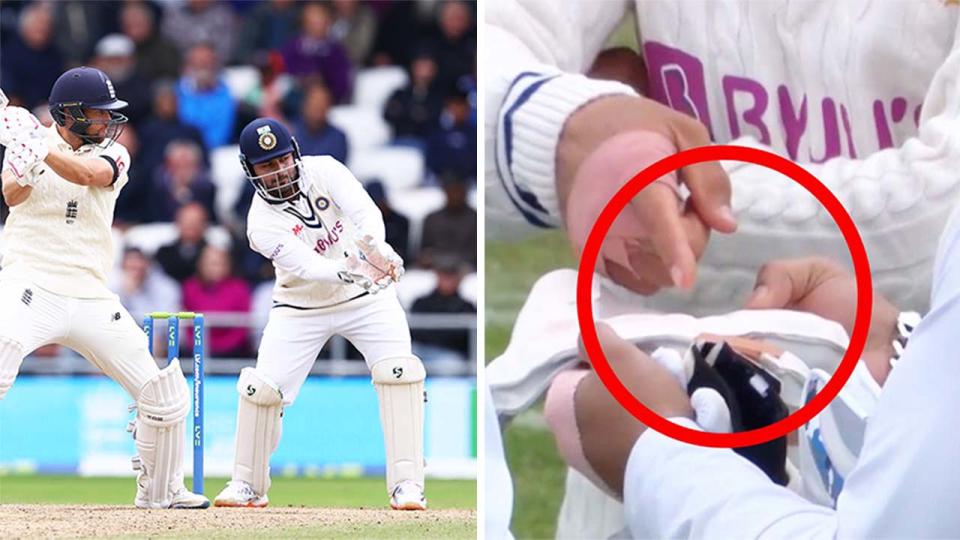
[331,238]
[71,212]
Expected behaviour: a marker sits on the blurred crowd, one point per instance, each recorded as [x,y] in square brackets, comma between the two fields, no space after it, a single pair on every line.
[389,88]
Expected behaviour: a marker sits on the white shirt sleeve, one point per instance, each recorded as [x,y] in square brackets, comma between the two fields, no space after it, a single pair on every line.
[290,254]
[121,158]
[905,483]
[535,55]
[353,199]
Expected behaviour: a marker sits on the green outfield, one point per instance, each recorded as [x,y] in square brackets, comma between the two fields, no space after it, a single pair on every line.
[538,474]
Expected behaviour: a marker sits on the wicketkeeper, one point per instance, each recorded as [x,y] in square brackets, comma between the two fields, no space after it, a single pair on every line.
[325,236]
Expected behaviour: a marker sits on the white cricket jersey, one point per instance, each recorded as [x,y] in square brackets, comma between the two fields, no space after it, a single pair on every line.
[60,237]
[865,95]
[308,239]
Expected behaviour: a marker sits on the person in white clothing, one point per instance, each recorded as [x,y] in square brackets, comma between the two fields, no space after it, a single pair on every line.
[335,272]
[61,184]
[823,83]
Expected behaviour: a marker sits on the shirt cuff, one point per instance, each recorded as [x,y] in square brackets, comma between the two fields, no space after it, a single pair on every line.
[531,119]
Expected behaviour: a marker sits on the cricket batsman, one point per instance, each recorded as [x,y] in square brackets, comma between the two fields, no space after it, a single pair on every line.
[325,236]
[61,184]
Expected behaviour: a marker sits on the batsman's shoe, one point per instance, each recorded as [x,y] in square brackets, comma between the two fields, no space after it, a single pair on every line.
[181,498]
[239,494]
[408,496]
[184,498]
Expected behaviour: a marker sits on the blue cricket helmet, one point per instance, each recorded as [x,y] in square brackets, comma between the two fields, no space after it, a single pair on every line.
[263,140]
[86,88]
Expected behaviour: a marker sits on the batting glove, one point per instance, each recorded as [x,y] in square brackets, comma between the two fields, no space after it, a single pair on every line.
[18,124]
[22,156]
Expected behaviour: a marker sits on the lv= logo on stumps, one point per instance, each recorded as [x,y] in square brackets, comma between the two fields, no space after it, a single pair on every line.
[173,354]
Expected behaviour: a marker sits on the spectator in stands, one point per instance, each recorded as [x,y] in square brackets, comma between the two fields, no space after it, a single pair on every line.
[453,228]
[157,58]
[182,180]
[314,133]
[399,30]
[143,288]
[163,127]
[214,289]
[355,26]
[203,99]
[179,259]
[31,62]
[452,146]
[456,43]
[115,57]
[397,226]
[197,22]
[315,52]
[78,25]
[433,344]
[265,28]
[413,111]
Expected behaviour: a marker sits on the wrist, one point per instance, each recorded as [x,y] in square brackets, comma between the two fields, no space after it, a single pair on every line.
[530,121]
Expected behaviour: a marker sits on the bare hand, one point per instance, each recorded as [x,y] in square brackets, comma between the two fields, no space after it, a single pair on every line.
[820,286]
[605,144]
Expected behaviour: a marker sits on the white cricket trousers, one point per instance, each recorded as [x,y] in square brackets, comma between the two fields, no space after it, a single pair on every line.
[99,329]
[292,340]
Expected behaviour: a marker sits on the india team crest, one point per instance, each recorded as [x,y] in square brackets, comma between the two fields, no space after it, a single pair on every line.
[267,139]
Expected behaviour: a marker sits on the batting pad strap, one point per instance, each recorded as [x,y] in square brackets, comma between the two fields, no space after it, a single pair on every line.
[399,385]
[259,425]
[165,399]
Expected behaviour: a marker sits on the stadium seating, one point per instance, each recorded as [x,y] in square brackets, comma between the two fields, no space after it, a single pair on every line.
[399,168]
[414,284]
[150,237]
[468,288]
[365,128]
[374,86]
[415,205]
[242,81]
[227,174]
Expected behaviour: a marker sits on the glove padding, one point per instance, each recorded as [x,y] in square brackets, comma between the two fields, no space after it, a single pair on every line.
[22,156]
[731,393]
[17,125]
[377,261]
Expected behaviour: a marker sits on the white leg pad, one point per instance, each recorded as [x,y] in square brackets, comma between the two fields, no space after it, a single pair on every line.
[11,355]
[162,408]
[399,384]
[259,424]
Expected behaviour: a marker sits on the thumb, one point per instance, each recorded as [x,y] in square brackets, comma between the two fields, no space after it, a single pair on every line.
[711,410]
[774,287]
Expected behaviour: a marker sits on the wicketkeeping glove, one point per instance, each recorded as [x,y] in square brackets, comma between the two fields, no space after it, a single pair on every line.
[381,257]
